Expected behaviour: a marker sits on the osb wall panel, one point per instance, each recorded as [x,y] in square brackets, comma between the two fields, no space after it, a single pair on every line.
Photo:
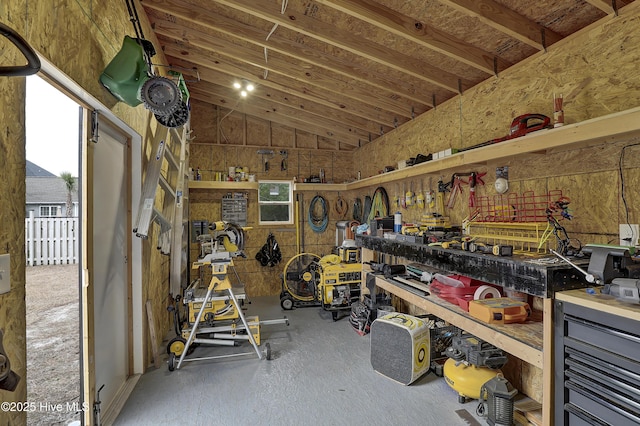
[232,127]
[259,280]
[589,175]
[586,68]
[258,132]
[12,199]
[306,140]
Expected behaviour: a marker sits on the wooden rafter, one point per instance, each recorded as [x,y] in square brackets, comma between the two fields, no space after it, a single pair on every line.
[345,40]
[605,5]
[182,14]
[347,71]
[507,21]
[206,62]
[416,31]
[200,43]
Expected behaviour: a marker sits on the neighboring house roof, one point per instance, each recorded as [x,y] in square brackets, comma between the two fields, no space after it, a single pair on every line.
[35,170]
[45,190]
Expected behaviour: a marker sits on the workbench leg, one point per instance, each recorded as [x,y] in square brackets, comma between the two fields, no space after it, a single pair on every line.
[547,362]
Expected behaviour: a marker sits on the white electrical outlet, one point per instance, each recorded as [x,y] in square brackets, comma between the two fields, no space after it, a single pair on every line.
[629,234]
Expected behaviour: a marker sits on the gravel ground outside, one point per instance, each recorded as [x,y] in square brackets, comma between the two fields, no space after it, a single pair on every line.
[53,358]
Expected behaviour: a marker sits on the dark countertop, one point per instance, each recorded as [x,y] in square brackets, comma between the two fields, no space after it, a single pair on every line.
[539,276]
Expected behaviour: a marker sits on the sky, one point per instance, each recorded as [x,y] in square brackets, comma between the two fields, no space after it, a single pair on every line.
[52,128]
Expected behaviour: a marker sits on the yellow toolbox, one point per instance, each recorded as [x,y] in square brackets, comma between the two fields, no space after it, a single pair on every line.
[499,310]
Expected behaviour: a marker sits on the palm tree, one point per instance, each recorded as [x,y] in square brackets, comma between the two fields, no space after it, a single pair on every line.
[70,182]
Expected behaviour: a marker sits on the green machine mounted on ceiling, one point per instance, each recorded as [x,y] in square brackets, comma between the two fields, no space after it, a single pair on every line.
[130,79]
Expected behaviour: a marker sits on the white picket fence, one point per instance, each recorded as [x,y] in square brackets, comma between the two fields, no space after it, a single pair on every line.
[52,240]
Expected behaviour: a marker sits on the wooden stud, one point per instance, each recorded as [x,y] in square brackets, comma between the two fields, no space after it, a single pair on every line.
[152,335]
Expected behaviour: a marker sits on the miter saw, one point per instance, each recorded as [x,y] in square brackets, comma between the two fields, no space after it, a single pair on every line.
[214,305]
[225,241]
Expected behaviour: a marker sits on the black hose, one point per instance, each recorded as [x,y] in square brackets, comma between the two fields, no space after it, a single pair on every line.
[33,65]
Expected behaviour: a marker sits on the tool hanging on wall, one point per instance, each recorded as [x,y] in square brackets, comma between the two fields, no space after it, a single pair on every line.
[403,200]
[456,188]
[357,210]
[420,196]
[429,198]
[554,227]
[409,195]
[283,163]
[442,188]
[396,199]
[266,155]
[474,180]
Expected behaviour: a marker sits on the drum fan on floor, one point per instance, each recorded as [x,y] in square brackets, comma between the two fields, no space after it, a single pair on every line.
[299,281]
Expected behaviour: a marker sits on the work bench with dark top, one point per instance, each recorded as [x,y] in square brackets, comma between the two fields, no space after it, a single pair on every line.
[540,277]
[537,276]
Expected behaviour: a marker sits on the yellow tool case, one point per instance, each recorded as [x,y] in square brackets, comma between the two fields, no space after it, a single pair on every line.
[499,310]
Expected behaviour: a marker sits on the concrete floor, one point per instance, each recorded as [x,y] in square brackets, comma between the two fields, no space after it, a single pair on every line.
[320,374]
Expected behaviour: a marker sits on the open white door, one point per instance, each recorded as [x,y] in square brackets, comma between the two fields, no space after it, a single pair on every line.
[107,275]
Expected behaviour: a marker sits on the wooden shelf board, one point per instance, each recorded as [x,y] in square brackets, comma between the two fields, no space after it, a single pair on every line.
[320,187]
[202,184]
[521,340]
[433,166]
[596,130]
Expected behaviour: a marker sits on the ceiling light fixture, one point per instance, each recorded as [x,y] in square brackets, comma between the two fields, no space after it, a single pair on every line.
[245,87]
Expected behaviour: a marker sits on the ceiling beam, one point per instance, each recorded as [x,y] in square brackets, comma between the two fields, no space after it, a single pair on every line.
[249,107]
[507,21]
[180,12]
[199,58]
[309,74]
[607,5]
[332,128]
[313,110]
[343,39]
[412,29]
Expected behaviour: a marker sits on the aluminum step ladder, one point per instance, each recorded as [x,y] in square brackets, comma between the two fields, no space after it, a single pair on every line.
[163,197]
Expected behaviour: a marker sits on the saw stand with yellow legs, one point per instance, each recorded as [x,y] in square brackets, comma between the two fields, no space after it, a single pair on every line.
[220,283]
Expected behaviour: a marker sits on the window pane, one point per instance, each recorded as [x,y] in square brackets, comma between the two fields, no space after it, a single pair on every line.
[274,191]
[274,213]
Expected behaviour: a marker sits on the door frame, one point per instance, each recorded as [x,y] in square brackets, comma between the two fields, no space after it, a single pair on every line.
[136,312]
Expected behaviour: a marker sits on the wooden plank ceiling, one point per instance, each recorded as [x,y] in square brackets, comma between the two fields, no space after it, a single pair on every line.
[352,70]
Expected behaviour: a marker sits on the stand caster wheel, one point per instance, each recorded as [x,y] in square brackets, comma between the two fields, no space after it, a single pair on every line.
[286,302]
[267,351]
[176,346]
[334,315]
[172,361]
[462,399]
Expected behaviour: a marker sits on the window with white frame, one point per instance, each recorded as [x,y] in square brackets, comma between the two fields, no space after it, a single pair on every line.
[275,202]
[49,211]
